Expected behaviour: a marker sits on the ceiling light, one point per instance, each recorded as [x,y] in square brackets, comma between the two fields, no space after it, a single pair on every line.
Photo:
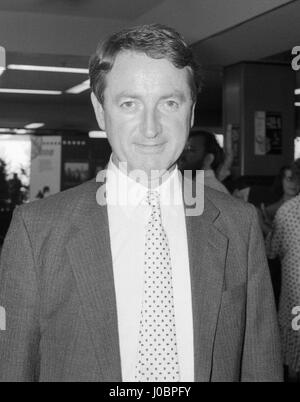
[21,131]
[297,103]
[29,91]
[297,91]
[34,126]
[84,86]
[50,69]
[2,60]
[97,134]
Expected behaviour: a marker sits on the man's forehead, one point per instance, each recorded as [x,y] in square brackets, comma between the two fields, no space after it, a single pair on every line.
[135,71]
[131,60]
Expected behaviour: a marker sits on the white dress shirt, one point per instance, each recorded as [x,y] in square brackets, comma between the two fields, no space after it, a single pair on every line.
[127,226]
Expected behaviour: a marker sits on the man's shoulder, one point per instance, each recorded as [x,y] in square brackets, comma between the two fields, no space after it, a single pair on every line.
[226,201]
[232,210]
[62,205]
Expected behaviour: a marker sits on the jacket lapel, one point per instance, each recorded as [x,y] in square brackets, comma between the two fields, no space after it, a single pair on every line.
[90,256]
[207,255]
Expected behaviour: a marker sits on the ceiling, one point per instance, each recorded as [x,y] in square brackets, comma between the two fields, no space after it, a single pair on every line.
[66,32]
[115,9]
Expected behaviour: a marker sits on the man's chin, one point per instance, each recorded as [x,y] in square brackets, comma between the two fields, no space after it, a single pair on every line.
[148,173]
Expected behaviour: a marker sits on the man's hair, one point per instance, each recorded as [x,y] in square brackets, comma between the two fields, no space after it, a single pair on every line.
[211,146]
[156,41]
[295,167]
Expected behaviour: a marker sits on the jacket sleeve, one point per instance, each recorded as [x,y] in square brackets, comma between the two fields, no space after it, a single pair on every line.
[261,360]
[19,342]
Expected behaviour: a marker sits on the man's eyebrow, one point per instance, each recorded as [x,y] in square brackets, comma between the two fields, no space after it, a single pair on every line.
[126,94]
[176,94]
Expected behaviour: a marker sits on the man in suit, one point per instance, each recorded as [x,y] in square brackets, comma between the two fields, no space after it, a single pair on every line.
[98,287]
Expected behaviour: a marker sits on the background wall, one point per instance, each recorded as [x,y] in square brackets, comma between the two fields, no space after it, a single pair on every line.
[251,87]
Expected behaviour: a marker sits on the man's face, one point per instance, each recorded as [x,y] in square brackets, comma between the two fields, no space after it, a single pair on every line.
[147,111]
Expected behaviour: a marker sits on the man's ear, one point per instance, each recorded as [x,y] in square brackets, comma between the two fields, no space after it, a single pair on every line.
[99,111]
[193,115]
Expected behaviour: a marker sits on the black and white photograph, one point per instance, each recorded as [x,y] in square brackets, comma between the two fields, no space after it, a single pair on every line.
[150,194]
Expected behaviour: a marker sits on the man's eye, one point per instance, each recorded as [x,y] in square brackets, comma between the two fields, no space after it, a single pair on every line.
[171,104]
[128,105]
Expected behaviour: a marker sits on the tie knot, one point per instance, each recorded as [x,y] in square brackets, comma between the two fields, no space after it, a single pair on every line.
[153,199]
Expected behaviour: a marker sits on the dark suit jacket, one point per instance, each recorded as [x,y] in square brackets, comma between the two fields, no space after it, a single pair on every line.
[56,284]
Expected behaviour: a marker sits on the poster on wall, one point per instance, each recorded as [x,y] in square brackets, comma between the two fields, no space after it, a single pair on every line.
[75,173]
[75,162]
[45,170]
[274,133]
[268,133]
[260,133]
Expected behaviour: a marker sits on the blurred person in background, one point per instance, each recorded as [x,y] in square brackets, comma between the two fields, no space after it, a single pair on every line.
[225,170]
[268,199]
[284,242]
[203,152]
[285,188]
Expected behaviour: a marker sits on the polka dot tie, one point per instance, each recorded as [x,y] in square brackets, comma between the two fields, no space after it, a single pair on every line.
[157,348]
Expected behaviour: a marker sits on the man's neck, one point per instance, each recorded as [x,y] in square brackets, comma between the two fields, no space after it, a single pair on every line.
[151,179]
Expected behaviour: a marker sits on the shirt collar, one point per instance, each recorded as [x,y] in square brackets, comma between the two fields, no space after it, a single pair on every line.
[124,191]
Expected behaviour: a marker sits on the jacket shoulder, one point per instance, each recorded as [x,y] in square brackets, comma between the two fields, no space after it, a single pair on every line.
[61,206]
[232,210]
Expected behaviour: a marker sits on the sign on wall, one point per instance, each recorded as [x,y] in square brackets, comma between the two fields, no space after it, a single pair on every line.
[45,166]
[2,60]
[268,133]
[260,133]
[75,162]
[274,133]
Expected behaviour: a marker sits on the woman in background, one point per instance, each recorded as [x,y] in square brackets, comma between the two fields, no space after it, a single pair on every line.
[284,189]
[284,242]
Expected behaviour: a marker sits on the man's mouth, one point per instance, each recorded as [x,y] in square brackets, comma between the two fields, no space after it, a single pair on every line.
[150,148]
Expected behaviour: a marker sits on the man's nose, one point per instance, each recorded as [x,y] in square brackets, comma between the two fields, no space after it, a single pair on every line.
[151,124]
